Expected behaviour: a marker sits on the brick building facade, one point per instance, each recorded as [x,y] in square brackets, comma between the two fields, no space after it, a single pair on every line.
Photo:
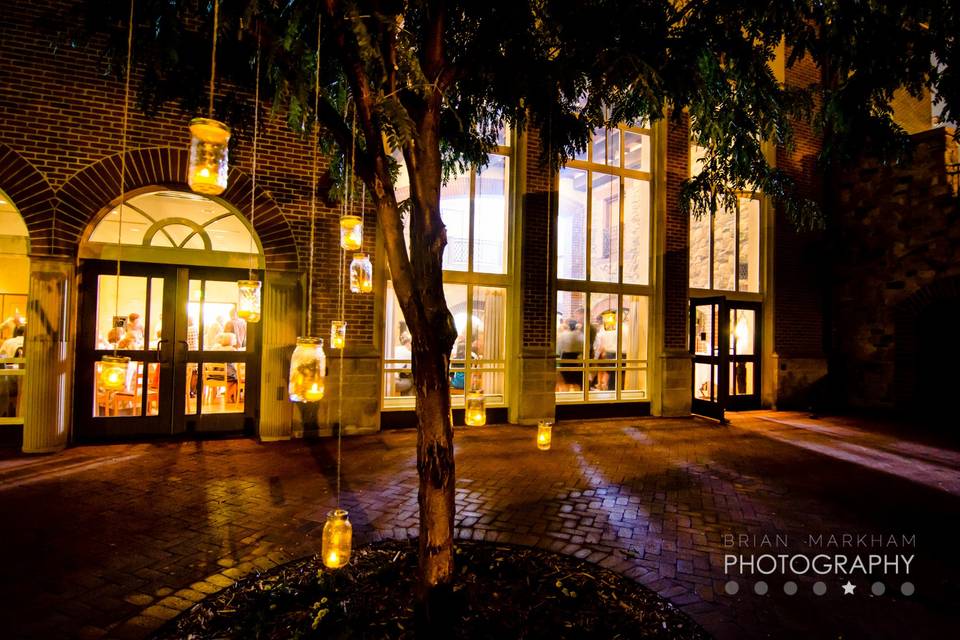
[60,146]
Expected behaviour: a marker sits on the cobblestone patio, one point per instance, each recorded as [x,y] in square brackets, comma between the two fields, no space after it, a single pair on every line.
[110,541]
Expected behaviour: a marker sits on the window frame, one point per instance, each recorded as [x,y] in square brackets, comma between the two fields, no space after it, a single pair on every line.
[620,289]
[471,279]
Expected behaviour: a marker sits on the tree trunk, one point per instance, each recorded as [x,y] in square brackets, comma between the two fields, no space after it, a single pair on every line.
[436,495]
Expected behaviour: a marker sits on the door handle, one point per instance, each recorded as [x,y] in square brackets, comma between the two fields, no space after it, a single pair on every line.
[160,349]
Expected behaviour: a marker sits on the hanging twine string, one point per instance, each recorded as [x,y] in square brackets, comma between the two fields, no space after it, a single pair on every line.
[253,163]
[348,208]
[313,184]
[123,164]
[213,53]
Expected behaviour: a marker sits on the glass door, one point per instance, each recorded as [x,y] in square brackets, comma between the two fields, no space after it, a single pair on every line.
[218,389]
[131,316]
[192,367]
[744,349]
[709,338]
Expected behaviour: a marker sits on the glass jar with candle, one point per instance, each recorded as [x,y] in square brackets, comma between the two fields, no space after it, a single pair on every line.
[338,334]
[248,300]
[351,232]
[337,539]
[361,274]
[544,435]
[308,366]
[209,156]
[475,410]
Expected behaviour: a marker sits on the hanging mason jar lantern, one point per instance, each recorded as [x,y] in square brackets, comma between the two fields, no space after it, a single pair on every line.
[609,318]
[351,232]
[248,300]
[209,161]
[338,334]
[307,369]
[113,372]
[544,435]
[475,409]
[361,274]
[337,538]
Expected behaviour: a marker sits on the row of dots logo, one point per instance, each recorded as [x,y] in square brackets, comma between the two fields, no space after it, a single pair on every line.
[761,588]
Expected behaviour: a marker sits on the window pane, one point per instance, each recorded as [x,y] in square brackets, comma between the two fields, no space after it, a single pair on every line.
[223,387]
[704,381]
[456,295]
[700,252]
[155,323]
[126,401]
[633,326]
[704,336]
[572,225]
[220,332]
[636,231]
[490,217]
[696,159]
[743,323]
[455,210]
[748,269]
[724,247]
[636,151]
[398,378]
[605,321]
[605,228]
[570,341]
[120,318]
[741,379]
[194,321]
[488,323]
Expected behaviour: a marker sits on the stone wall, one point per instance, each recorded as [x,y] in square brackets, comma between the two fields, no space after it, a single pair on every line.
[899,241]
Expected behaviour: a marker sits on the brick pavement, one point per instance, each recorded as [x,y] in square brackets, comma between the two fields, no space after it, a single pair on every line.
[110,541]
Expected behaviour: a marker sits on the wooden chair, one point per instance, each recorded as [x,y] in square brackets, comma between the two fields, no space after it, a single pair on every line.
[215,378]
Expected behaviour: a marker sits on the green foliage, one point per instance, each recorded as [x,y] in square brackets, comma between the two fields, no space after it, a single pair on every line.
[565,67]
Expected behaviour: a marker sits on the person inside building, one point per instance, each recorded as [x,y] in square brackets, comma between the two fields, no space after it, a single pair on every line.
[570,347]
[134,329]
[13,344]
[605,348]
[404,382]
[239,329]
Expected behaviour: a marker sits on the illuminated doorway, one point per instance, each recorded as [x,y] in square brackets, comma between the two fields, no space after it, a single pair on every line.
[194,365]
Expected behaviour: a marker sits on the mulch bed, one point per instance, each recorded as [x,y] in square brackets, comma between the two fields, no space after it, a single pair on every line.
[503,591]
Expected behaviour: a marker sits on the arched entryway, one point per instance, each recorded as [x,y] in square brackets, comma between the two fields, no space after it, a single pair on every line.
[14,283]
[158,285]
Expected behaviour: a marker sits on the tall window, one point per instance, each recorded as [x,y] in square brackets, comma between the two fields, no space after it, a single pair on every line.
[476,211]
[14,280]
[603,268]
[725,246]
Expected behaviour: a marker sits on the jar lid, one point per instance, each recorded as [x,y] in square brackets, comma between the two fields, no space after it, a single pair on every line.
[310,340]
[210,130]
[115,359]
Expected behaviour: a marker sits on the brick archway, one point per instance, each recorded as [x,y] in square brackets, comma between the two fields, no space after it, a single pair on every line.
[32,195]
[908,317]
[90,189]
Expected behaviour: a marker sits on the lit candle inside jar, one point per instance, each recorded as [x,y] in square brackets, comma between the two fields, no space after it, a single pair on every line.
[544,433]
[314,393]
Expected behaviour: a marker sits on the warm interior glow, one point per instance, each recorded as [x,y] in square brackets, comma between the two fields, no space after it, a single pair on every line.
[742,332]
[475,411]
[338,334]
[337,538]
[307,370]
[609,318]
[544,435]
[209,156]
[113,372]
[351,233]
[361,274]
[248,300]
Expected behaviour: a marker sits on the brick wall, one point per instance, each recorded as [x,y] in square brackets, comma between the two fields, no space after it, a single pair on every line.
[797,263]
[900,238]
[676,260]
[61,113]
[536,290]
